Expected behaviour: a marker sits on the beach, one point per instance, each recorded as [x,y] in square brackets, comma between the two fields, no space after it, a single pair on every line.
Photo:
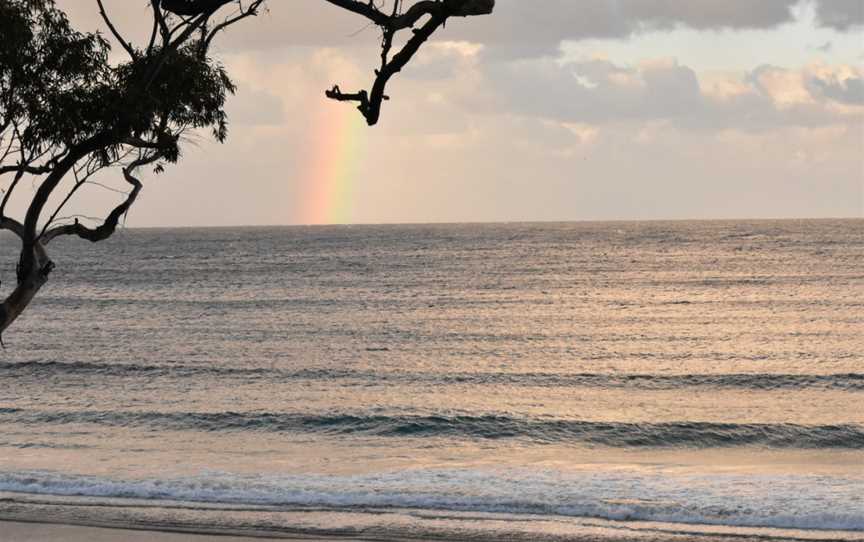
[49,532]
[46,532]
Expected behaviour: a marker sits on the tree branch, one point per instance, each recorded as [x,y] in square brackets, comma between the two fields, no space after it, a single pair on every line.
[250,11]
[114,31]
[366,9]
[31,170]
[107,228]
[397,21]
[192,8]
[438,12]
[10,224]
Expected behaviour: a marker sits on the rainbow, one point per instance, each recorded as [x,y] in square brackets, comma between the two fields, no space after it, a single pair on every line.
[335,151]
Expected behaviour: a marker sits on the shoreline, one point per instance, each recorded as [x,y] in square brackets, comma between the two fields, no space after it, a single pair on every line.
[42,518]
[34,528]
[36,531]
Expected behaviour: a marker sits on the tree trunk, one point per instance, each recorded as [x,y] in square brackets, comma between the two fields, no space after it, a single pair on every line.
[26,289]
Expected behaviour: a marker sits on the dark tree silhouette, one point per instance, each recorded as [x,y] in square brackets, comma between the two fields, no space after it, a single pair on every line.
[67,112]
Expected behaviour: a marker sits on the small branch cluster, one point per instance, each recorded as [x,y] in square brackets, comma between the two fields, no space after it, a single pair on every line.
[435,13]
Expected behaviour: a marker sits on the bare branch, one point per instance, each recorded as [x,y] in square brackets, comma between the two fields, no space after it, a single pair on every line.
[366,9]
[79,182]
[8,195]
[192,8]
[31,170]
[250,11]
[114,31]
[453,8]
[10,224]
[107,228]
[159,21]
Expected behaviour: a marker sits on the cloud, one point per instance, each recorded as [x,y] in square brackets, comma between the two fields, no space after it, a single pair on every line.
[817,84]
[443,59]
[523,28]
[595,90]
[841,15]
[844,88]
[598,91]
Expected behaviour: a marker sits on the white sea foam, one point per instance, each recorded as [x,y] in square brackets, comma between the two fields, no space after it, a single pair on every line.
[786,502]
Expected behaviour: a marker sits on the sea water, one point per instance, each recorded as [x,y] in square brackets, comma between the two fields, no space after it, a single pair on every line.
[521,381]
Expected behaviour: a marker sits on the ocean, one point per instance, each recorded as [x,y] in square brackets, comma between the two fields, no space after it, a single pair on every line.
[560,381]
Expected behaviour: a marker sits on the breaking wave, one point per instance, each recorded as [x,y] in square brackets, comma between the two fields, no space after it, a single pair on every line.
[780,501]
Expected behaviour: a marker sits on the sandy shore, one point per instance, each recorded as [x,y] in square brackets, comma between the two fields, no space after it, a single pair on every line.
[46,532]
[13,531]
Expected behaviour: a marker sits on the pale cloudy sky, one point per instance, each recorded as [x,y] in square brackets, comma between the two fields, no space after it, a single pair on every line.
[546,110]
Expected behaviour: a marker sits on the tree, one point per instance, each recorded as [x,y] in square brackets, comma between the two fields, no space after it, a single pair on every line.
[68,113]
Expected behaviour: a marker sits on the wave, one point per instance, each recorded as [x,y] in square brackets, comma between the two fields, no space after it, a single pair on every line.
[479,427]
[779,501]
[50,368]
[839,382]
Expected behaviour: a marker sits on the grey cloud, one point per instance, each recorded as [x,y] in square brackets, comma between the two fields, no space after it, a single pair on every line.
[840,14]
[600,92]
[848,91]
[435,65]
[593,92]
[525,28]
[521,27]
[672,91]
[710,14]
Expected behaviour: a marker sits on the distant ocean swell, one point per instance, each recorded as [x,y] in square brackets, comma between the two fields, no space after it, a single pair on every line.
[487,427]
[852,382]
[769,501]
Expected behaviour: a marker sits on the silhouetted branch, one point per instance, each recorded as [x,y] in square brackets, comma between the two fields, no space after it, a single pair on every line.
[250,11]
[12,225]
[114,31]
[107,228]
[192,8]
[31,170]
[366,9]
[438,11]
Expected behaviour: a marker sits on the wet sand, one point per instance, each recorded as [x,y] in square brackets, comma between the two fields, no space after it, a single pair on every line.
[47,532]
[11,531]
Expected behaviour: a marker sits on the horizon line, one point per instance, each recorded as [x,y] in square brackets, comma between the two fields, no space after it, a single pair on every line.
[503,222]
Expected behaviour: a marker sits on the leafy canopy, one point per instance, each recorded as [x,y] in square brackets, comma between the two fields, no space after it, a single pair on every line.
[58,89]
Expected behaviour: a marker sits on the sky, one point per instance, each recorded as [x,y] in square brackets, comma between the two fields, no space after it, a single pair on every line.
[546,110]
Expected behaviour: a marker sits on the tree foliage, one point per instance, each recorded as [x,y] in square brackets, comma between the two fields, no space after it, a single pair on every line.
[52,78]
